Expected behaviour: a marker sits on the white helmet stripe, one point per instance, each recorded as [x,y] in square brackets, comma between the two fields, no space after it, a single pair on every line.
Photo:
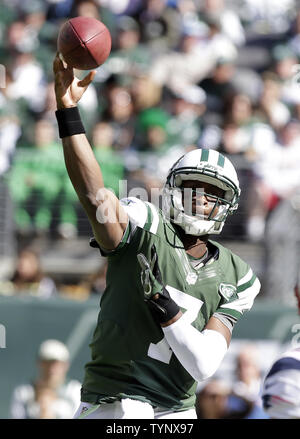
[213,157]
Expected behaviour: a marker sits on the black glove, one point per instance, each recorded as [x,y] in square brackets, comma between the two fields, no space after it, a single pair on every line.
[163,308]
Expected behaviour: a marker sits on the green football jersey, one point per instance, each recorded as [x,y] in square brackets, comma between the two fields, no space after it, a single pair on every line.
[130,355]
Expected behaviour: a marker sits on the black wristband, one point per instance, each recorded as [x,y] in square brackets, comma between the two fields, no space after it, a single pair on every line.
[69,122]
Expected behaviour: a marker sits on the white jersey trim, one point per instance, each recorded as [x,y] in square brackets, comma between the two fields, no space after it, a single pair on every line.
[246,278]
[155,220]
[136,210]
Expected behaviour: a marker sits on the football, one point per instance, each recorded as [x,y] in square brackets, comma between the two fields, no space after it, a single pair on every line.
[84,43]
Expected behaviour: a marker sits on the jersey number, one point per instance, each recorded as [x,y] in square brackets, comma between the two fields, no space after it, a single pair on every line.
[161,351]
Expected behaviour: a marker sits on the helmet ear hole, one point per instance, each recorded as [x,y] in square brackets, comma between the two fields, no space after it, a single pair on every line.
[228,196]
[178,180]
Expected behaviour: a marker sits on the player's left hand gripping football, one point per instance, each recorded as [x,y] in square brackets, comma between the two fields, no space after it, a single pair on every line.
[157,297]
[68,88]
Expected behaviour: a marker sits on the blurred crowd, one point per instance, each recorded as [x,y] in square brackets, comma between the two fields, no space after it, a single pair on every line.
[254,393]
[50,393]
[182,74]
[239,398]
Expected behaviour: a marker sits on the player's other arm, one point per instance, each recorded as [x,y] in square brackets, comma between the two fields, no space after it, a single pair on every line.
[200,353]
[107,217]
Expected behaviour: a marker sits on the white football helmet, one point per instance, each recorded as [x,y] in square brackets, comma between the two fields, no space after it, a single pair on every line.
[208,166]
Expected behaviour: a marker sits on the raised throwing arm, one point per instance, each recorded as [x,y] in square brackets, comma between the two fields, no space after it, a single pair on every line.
[107,217]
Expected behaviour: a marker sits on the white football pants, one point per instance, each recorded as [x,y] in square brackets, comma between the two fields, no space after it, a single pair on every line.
[129,409]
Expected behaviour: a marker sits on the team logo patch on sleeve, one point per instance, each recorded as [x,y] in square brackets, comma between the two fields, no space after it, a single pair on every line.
[228,291]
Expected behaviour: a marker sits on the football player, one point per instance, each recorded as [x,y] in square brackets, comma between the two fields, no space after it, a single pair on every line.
[281,387]
[172,295]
